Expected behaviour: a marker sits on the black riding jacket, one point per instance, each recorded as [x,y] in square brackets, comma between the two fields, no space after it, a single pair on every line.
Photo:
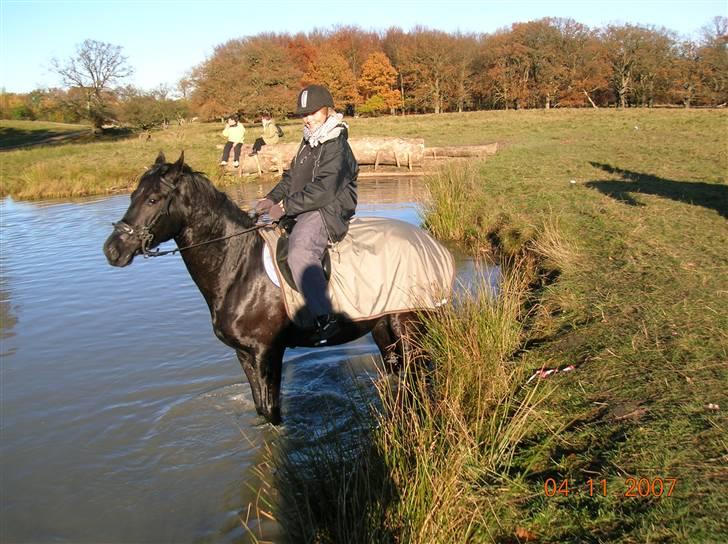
[322,178]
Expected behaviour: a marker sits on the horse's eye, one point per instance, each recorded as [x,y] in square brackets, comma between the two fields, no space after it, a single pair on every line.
[152,200]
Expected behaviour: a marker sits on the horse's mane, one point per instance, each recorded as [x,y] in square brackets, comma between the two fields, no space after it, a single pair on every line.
[207,195]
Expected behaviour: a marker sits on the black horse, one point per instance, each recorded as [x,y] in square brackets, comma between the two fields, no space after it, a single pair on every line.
[247,309]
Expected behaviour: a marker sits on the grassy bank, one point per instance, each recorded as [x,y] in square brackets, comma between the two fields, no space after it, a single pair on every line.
[108,163]
[622,216]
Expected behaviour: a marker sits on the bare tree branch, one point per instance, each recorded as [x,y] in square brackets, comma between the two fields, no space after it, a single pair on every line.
[94,68]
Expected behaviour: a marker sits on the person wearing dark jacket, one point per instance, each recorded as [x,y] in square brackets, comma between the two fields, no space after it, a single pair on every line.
[319,191]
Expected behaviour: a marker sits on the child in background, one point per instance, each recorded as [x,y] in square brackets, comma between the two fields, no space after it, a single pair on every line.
[234,131]
[271,134]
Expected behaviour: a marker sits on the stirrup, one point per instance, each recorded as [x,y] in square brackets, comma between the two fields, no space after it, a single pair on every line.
[326,328]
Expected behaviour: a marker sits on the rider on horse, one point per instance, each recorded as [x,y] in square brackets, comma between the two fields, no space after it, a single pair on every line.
[319,194]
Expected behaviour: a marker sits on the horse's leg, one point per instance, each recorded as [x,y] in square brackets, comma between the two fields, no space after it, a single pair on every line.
[387,339]
[247,361]
[263,370]
[397,335]
[398,338]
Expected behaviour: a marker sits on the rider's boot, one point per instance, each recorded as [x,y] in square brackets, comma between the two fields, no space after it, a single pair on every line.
[327,327]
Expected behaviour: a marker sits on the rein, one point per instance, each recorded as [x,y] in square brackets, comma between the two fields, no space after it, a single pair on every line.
[146,236]
[157,253]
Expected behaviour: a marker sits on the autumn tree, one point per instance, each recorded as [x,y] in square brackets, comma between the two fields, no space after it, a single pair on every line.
[376,85]
[541,67]
[148,109]
[248,76]
[714,56]
[428,59]
[655,67]
[15,106]
[586,65]
[393,45]
[94,69]
[331,70]
[624,44]
[302,52]
[354,44]
[505,71]
[460,88]
[56,105]
[688,72]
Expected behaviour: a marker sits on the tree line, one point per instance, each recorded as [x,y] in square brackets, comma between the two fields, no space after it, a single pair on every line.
[551,62]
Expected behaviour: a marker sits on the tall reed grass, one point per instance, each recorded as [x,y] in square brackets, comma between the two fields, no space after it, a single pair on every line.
[452,188]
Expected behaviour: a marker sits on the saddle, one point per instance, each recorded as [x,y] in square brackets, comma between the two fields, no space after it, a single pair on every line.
[382,266]
[285,270]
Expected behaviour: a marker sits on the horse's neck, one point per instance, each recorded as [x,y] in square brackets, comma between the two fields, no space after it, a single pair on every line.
[215,265]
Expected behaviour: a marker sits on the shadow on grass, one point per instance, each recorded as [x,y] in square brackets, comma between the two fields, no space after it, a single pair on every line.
[707,195]
[15,138]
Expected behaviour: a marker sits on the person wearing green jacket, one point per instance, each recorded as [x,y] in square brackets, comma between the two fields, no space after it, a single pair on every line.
[271,134]
[234,131]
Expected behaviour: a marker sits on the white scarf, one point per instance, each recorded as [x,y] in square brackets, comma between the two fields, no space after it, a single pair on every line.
[325,131]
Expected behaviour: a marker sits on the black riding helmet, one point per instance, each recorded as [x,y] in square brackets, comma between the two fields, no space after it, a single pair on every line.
[312,98]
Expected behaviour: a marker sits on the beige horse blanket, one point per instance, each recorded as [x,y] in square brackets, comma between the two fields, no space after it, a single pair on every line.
[382,266]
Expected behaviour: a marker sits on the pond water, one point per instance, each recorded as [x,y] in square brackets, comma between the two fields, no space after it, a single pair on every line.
[122,417]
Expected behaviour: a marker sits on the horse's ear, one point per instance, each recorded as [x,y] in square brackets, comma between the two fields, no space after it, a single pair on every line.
[176,169]
[160,158]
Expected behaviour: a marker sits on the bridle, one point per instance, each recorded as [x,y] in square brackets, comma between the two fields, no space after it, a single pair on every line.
[145,235]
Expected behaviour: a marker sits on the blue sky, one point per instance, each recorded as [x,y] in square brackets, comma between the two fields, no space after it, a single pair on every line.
[165,38]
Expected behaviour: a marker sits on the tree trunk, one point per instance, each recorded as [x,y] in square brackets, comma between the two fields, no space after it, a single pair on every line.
[589,99]
[623,88]
[401,90]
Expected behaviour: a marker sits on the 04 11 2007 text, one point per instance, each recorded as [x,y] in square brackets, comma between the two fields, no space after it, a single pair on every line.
[633,487]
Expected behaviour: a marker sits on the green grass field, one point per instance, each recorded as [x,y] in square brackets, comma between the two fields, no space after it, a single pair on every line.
[612,226]
[638,241]
[27,133]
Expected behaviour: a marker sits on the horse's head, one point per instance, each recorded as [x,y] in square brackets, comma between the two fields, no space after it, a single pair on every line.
[152,217]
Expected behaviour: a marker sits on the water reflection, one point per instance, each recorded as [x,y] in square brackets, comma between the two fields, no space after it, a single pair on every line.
[123,418]
[8,319]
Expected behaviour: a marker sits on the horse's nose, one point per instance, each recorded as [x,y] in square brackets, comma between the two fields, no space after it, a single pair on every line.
[112,254]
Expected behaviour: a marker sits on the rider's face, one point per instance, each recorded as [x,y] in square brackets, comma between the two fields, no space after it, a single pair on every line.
[316,119]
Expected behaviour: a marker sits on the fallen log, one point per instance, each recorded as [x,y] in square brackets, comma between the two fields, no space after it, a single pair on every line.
[376,151]
[461,151]
[389,151]
[271,158]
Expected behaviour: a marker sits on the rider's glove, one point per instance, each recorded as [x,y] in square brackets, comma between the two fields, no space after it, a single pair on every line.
[276,212]
[264,205]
